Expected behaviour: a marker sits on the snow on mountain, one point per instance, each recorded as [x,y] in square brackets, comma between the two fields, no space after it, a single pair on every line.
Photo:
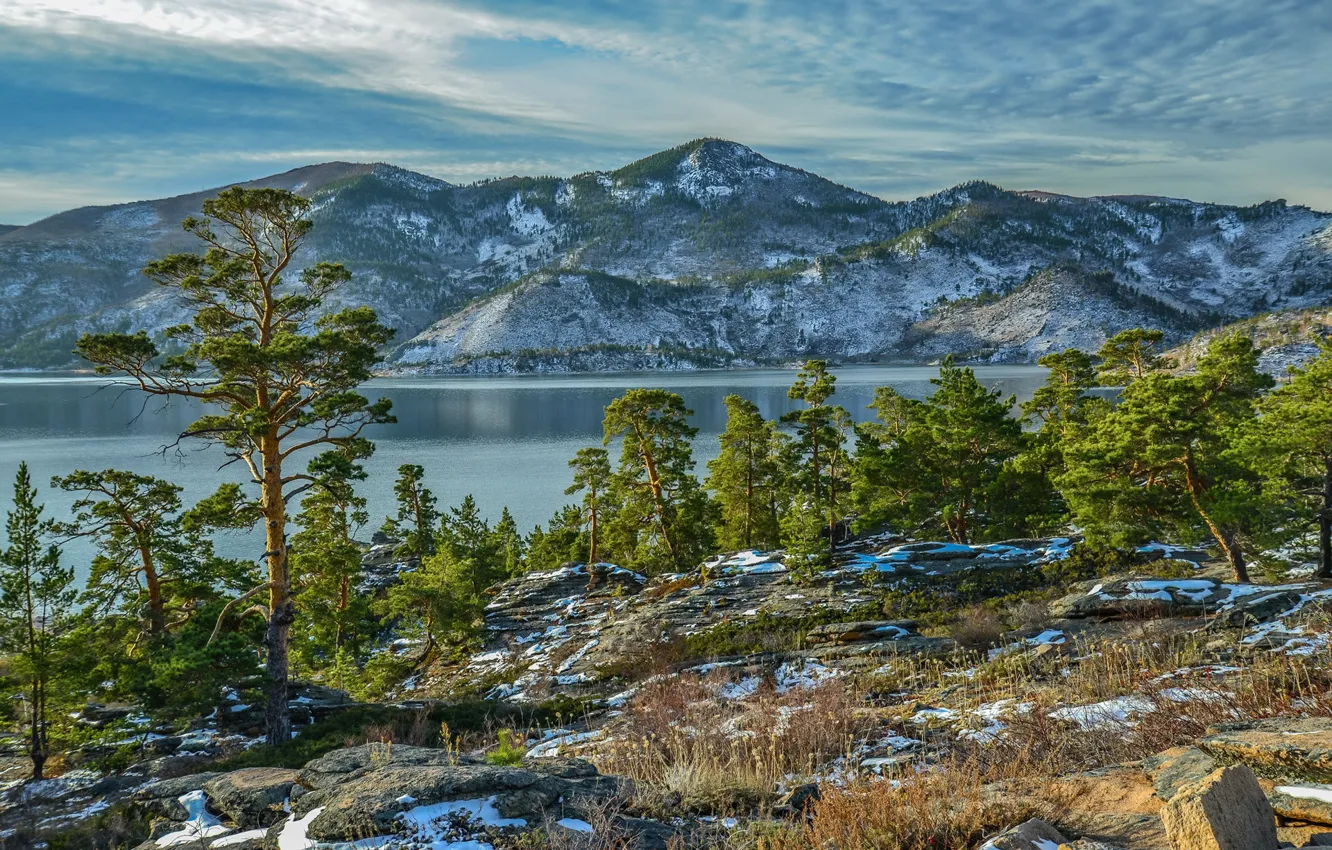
[703,254]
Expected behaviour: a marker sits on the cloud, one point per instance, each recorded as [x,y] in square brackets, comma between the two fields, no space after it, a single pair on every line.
[891,97]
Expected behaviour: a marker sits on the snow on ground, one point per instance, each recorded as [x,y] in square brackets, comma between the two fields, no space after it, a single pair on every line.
[576,825]
[551,748]
[810,674]
[1307,792]
[200,824]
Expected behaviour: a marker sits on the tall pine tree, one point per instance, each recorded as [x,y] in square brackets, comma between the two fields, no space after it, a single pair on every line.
[36,613]
[745,478]
[662,515]
[274,374]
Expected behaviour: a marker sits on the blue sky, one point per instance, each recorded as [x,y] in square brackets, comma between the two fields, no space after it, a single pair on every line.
[113,100]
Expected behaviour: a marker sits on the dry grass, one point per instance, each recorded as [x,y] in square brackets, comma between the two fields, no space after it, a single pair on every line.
[725,756]
[977,628]
[1177,688]
[945,809]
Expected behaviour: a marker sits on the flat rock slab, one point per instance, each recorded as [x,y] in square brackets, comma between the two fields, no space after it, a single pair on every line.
[1299,748]
[252,797]
[1226,810]
[1303,803]
[1174,768]
[341,765]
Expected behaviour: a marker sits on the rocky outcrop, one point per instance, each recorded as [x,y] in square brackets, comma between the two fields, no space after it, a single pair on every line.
[394,797]
[340,766]
[573,630]
[382,800]
[1226,810]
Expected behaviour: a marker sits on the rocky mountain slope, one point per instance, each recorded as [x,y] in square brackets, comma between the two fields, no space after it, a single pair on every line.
[705,254]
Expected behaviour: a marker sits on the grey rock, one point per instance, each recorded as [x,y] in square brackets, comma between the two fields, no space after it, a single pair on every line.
[342,765]
[252,797]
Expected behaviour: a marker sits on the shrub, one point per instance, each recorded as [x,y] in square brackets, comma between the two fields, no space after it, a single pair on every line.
[508,749]
[977,628]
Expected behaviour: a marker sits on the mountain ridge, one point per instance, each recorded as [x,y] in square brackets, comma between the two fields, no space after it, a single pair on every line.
[706,247]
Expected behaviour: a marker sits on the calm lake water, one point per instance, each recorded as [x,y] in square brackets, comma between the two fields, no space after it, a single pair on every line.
[505,440]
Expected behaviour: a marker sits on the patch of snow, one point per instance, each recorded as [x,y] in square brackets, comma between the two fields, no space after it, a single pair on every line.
[739,690]
[293,834]
[481,811]
[576,825]
[811,674]
[1307,792]
[200,824]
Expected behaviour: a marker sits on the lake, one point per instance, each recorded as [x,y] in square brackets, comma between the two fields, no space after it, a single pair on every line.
[506,440]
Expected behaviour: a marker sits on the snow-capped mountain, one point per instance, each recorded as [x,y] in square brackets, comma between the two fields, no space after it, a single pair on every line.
[705,254]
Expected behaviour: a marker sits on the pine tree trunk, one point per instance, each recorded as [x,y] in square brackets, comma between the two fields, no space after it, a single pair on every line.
[37,749]
[592,542]
[281,608]
[156,606]
[1235,554]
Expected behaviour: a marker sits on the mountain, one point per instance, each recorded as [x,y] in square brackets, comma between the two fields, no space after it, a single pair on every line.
[705,254]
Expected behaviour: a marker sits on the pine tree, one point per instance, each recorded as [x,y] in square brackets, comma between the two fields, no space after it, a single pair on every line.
[1163,459]
[468,540]
[154,560]
[274,376]
[418,511]
[1131,355]
[1057,410]
[817,465]
[325,565]
[745,478]
[509,544]
[937,464]
[563,540]
[36,612]
[1289,446]
[592,476]
[662,515]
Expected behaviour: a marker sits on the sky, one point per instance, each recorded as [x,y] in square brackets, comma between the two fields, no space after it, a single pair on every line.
[105,101]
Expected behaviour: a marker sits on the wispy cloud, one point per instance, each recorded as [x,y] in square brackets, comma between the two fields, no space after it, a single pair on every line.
[896,98]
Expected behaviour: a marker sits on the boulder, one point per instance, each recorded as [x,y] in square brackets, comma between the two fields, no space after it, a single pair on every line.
[1295,747]
[341,765]
[1258,607]
[252,797]
[797,800]
[1035,834]
[1226,810]
[1176,767]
